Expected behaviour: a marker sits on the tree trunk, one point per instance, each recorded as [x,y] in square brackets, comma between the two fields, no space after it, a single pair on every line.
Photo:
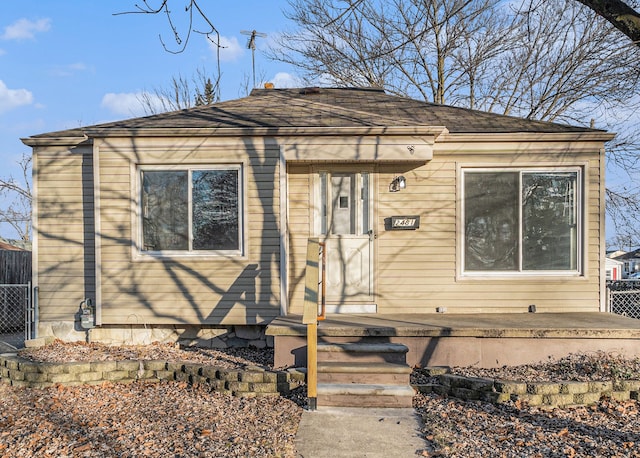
[618,13]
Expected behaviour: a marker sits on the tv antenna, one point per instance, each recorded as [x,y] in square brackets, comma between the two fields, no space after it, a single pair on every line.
[251,44]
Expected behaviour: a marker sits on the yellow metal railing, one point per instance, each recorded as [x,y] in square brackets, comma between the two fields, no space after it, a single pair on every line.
[314,294]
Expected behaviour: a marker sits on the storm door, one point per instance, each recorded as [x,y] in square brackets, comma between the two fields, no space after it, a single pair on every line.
[344,221]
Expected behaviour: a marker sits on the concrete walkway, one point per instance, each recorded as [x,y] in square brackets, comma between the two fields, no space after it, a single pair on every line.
[336,432]
[7,348]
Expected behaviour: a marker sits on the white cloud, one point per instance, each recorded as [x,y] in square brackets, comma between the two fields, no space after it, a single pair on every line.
[13,98]
[230,50]
[123,103]
[78,66]
[24,29]
[131,103]
[286,80]
[69,70]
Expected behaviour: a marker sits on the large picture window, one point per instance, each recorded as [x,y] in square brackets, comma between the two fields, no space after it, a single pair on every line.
[191,210]
[521,220]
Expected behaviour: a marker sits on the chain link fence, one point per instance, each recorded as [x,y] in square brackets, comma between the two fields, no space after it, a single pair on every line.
[16,314]
[623,297]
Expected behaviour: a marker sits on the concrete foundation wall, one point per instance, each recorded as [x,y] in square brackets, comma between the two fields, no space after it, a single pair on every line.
[206,337]
[484,352]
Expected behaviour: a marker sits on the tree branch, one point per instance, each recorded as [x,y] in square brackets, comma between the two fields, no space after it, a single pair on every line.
[619,14]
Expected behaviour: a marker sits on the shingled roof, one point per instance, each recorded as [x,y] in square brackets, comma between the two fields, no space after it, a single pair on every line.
[325,108]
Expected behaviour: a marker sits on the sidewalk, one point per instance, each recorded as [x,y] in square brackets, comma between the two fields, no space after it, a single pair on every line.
[7,348]
[335,432]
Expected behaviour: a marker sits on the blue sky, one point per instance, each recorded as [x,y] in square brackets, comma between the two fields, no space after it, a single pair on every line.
[69,63]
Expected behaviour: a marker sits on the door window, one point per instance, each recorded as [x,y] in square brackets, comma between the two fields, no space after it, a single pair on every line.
[344,203]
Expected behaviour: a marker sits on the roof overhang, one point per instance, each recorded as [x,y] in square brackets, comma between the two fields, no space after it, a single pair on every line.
[340,144]
[263,131]
[587,136]
[55,141]
[391,145]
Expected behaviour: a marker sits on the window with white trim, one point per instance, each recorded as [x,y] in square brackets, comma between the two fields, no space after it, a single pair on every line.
[522,221]
[191,210]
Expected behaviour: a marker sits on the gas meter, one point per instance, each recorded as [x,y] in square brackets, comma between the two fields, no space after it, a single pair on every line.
[87,314]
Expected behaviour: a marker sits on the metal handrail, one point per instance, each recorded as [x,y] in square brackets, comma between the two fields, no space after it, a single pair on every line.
[323,281]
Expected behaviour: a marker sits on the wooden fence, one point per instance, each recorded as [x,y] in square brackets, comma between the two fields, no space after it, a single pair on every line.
[15,267]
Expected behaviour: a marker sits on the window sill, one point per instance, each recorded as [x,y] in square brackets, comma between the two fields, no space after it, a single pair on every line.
[214,256]
[529,277]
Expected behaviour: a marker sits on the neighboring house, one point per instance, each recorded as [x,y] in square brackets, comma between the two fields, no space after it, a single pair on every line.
[201,217]
[631,261]
[614,269]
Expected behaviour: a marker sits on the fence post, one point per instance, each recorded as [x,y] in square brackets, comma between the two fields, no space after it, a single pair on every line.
[36,310]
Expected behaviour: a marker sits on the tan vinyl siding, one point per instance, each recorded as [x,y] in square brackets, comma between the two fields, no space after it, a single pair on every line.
[189,289]
[414,271]
[64,230]
[418,271]
[299,184]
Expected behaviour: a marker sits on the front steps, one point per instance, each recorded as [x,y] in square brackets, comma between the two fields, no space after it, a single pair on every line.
[363,375]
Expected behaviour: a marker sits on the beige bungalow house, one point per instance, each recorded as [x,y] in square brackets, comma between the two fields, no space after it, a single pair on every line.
[184,223]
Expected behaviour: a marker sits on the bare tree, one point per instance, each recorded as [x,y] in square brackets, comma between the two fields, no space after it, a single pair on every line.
[17,214]
[194,14]
[181,36]
[181,93]
[540,59]
[546,60]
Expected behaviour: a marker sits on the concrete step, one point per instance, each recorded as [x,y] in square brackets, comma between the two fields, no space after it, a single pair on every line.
[359,395]
[362,352]
[363,373]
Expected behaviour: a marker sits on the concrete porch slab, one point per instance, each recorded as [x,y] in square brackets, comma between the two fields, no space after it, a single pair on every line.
[593,324]
[484,340]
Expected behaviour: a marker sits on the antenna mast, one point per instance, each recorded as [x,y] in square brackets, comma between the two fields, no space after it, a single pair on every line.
[251,44]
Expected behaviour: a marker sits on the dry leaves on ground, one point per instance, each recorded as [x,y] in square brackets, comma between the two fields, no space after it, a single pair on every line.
[66,352]
[159,419]
[463,429]
[143,420]
[174,419]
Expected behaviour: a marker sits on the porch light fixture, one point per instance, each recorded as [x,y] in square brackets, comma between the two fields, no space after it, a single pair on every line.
[397,184]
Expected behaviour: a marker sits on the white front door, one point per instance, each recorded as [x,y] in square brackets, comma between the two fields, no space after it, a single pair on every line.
[344,220]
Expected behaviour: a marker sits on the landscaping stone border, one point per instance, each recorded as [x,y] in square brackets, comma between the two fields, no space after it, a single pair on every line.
[548,394]
[252,381]
[255,381]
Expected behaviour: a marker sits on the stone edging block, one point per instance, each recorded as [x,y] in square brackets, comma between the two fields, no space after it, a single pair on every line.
[249,382]
[548,394]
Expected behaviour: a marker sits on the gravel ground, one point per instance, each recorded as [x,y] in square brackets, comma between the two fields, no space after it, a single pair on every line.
[173,419]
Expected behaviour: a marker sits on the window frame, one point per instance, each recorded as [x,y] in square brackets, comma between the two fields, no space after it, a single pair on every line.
[580,212]
[140,253]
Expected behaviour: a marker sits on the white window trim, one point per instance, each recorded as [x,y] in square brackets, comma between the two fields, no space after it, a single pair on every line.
[141,255]
[581,224]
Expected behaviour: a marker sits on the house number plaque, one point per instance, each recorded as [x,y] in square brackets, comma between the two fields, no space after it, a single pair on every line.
[399,223]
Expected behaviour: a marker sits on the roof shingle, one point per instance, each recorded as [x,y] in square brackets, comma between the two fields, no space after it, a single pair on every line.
[328,108]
